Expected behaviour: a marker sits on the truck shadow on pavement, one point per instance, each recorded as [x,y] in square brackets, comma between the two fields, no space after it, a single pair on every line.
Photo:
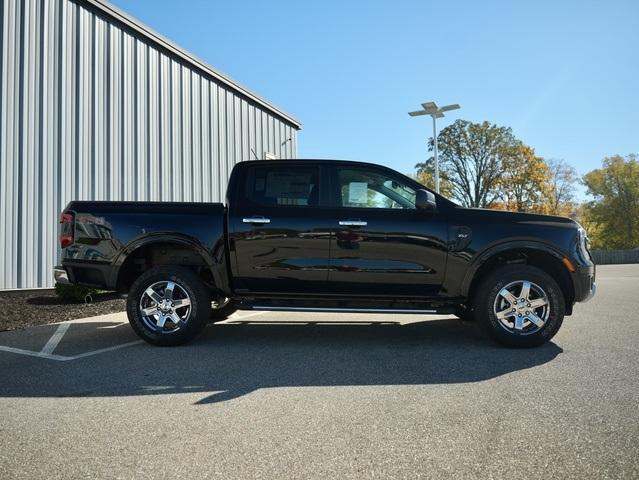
[234,359]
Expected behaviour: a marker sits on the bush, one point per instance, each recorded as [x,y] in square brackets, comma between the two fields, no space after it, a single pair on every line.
[73,293]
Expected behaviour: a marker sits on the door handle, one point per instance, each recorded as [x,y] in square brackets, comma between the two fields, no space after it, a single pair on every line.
[256,220]
[353,223]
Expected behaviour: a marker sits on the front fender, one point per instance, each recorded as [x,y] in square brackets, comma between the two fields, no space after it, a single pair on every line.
[481,257]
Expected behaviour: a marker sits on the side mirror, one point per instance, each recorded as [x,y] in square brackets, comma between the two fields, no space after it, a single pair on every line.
[425,200]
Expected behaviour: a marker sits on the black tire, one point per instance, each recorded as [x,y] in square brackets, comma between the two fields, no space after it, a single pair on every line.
[219,314]
[191,287]
[532,335]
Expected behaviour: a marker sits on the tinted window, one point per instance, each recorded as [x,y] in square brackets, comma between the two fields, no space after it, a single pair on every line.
[283,185]
[361,188]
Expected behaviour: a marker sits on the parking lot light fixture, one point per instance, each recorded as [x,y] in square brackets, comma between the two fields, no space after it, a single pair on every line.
[435,112]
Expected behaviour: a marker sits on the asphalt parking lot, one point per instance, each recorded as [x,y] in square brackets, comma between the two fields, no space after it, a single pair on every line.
[272,395]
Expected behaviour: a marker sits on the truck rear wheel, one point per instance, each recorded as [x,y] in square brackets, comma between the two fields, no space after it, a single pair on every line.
[520,306]
[168,305]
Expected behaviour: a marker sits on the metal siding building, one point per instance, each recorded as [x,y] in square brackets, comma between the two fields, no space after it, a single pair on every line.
[94,105]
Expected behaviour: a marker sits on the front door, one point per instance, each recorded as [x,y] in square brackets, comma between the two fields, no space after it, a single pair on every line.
[382,245]
[279,230]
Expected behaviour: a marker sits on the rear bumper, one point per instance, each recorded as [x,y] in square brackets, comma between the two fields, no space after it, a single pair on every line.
[87,274]
[60,275]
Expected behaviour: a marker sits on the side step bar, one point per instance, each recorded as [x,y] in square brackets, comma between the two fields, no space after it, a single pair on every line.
[271,308]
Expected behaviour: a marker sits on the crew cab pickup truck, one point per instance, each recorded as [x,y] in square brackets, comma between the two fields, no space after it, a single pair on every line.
[327,235]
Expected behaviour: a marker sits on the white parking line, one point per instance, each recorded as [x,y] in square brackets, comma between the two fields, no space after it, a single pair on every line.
[56,338]
[64,358]
[53,342]
[104,350]
[114,326]
[29,353]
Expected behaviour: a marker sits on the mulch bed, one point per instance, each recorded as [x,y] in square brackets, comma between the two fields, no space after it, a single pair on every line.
[23,309]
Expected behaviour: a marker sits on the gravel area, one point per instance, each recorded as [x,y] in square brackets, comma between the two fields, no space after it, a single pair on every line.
[36,307]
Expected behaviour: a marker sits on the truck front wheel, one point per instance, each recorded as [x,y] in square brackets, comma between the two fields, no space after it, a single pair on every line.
[519,306]
[168,305]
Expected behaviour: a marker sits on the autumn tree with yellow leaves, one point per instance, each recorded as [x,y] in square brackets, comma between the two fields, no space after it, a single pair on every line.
[470,156]
[613,214]
[485,165]
[562,182]
[524,184]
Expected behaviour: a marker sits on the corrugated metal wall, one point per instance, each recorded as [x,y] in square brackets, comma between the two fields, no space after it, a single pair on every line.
[90,109]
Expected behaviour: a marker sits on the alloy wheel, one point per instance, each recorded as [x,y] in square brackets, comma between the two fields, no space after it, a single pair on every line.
[522,307]
[165,307]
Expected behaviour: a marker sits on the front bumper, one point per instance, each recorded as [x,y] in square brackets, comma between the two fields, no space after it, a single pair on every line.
[593,290]
[60,275]
[585,284]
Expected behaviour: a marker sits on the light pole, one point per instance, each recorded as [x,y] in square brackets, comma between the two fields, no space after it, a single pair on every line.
[431,108]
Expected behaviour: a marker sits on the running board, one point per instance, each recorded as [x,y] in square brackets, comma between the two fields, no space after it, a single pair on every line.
[271,308]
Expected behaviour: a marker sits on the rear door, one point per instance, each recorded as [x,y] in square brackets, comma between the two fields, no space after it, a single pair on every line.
[382,245]
[279,229]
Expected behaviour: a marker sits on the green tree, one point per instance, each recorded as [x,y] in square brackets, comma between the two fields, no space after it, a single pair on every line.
[524,182]
[615,208]
[471,156]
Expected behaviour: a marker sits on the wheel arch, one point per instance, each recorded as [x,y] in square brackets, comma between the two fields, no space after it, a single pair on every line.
[536,254]
[129,263]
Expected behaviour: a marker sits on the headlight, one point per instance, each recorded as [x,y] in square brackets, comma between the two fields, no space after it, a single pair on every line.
[583,238]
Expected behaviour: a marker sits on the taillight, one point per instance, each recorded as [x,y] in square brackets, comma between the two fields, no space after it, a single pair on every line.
[66,229]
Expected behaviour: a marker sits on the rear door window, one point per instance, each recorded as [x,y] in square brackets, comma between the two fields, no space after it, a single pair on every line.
[281,185]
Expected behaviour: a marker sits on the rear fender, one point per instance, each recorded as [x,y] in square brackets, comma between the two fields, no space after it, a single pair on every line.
[171,238]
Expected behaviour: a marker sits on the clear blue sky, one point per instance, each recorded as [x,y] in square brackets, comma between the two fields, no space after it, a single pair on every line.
[563,74]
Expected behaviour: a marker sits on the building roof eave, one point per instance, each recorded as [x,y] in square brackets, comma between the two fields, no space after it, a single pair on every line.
[134,24]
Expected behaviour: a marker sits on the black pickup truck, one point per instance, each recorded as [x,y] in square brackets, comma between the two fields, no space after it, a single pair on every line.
[327,235]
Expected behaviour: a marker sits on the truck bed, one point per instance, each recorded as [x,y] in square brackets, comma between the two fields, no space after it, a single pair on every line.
[106,232]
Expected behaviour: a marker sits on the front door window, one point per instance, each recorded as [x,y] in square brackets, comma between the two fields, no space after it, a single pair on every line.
[369,189]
